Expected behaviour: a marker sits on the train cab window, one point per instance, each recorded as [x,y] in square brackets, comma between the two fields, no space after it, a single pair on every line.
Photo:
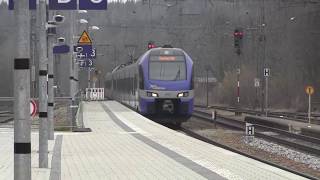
[167,67]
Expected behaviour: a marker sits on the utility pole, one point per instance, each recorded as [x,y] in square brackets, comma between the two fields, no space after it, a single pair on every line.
[22,121]
[76,67]
[33,51]
[263,42]
[71,69]
[43,102]
[51,40]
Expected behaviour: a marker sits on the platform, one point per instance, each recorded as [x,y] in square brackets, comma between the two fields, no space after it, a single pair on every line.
[125,145]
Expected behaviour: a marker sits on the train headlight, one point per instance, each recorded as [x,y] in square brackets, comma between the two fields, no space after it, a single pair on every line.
[152,94]
[184,94]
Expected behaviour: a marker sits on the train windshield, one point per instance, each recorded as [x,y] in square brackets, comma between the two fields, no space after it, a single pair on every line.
[167,68]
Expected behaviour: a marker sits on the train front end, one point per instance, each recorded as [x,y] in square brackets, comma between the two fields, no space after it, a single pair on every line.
[166,77]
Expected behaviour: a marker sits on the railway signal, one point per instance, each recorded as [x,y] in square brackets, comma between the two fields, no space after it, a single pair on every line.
[151,45]
[238,36]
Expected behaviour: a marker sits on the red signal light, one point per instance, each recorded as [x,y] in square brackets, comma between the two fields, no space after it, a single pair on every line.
[238,34]
[151,46]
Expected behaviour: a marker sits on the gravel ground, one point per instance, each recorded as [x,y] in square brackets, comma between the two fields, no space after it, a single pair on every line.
[272,152]
[312,161]
[60,117]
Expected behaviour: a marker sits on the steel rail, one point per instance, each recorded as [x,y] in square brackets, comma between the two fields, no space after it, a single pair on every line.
[215,143]
[236,124]
[288,115]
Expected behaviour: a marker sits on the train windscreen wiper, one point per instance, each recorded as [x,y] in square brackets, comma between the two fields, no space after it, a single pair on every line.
[178,75]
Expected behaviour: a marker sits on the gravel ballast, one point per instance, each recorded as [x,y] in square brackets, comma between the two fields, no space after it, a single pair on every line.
[266,150]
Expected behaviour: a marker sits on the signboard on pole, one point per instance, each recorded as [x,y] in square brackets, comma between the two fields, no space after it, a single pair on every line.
[266,72]
[32,4]
[85,51]
[85,63]
[309,90]
[93,4]
[33,108]
[61,49]
[84,38]
[68,4]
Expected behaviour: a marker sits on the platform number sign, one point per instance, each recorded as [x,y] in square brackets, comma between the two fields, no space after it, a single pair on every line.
[85,52]
[87,63]
[266,72]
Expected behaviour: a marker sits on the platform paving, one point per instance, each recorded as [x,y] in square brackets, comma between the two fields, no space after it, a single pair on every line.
[125,145]
[7,161]
[224,163]
[110,152]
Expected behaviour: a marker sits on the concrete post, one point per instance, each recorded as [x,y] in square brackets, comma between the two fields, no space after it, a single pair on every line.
[43,102]
[51,40]
[33,48]
[22,120]
[72,67]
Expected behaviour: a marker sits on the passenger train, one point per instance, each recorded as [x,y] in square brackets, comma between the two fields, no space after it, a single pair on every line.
[159,84]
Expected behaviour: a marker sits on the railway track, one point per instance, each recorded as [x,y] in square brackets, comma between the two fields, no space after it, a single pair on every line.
[300,142]
[210,141]
[5,116]
[301,117]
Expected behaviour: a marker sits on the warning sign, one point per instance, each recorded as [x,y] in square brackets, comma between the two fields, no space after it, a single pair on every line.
[84,38]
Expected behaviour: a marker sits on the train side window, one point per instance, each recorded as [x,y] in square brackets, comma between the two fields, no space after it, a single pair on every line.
[141,78]
[192,79]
